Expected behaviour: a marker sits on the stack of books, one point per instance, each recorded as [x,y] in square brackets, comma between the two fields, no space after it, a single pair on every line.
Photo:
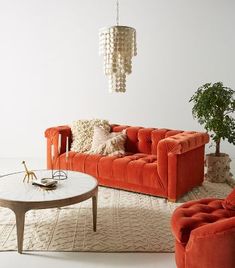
[46,183]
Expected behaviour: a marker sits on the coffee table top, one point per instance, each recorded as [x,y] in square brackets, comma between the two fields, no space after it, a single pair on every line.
[13,189]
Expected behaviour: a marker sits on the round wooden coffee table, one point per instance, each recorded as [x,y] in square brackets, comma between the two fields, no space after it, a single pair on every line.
[21,196]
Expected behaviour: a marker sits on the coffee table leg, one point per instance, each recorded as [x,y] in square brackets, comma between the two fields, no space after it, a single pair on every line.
[94,210]
[20,218]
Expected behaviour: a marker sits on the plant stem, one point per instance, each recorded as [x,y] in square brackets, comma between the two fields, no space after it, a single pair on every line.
[217,150]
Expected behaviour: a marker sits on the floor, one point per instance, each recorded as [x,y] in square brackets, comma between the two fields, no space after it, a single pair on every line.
[86,260]
[71,259]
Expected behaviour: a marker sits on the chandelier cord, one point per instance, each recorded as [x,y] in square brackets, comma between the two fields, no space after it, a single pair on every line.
[117,18]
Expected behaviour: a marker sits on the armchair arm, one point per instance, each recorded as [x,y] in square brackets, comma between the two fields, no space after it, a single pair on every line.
[181,161]
[218,227]
[52,135]
[213,245]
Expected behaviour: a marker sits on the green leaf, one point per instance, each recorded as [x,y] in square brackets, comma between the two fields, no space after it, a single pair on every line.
[213,107]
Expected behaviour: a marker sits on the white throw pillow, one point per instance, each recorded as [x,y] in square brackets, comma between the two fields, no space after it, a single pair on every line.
[82,133]
[106,143]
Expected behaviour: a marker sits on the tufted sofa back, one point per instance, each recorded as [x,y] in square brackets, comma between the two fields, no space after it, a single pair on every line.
[144,140]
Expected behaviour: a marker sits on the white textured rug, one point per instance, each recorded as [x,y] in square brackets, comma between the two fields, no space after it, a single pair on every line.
[127,222]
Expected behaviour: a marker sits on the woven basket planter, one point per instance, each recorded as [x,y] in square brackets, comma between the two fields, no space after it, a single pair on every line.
[218,168]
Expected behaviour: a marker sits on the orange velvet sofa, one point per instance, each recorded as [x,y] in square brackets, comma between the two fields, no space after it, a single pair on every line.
[204,234]
[159,162]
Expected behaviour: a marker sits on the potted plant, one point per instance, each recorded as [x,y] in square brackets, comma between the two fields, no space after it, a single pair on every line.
[213,106]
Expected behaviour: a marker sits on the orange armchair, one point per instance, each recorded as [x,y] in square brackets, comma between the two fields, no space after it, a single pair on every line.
[204,234]
[160,162]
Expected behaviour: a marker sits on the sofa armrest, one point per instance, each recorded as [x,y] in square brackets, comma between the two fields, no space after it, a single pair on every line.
[52,135]
[213,245]
[181,161]
[184,142]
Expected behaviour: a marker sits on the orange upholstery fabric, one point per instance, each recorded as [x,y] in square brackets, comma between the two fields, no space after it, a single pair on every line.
[229,202]
[135,172]
[52,135]
[205,234]
[160,162]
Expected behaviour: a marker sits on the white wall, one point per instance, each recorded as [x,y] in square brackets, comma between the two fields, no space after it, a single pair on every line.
[51,73]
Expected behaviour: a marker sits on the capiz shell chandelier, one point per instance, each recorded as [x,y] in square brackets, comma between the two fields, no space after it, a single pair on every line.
[118,46]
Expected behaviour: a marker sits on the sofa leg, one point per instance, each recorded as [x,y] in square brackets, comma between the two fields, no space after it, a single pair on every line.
[171,200]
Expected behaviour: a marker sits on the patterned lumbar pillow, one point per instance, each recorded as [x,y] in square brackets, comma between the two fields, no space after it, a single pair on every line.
[106,143]
[82,132]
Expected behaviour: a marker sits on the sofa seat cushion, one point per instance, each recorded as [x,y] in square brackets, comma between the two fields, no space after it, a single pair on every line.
[195,214]
[138,169]
[133,168]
